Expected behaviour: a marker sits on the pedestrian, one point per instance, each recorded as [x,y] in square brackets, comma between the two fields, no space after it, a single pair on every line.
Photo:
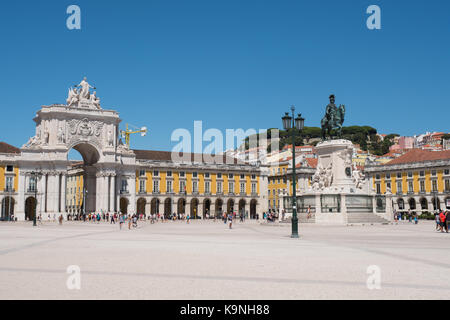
[129,222]
[121,221]
[416,220]
[112,219]
[308,212]
[135,219]
[446,221]
[187,218]
[230,220]
[442,221]
[60,219]
[224,218]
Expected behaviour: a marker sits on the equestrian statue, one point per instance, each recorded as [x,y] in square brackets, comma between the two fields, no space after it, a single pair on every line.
[333,119]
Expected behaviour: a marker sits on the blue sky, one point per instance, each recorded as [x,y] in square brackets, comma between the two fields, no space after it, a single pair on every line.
[231,64]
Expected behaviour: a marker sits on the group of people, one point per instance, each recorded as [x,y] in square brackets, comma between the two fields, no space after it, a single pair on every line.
[442,219]
[410,216]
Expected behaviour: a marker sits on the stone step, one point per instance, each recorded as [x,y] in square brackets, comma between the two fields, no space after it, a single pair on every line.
[365,218]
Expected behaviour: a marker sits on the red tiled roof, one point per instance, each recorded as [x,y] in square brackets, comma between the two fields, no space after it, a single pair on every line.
[312,162]
[7,148]
[419,155]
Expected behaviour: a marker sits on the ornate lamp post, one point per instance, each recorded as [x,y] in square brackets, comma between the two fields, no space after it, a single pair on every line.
[298,124]
[35,175]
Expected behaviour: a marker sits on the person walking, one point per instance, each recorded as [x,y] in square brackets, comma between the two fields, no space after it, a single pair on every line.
[446,221]
[188,217]
[112,219]
[121,220]
[308,212]
[438,221]
[442,220]
[230,220]
[224,217]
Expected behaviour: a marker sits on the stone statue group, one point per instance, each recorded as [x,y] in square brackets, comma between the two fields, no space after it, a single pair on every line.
[322,178]
[80,93]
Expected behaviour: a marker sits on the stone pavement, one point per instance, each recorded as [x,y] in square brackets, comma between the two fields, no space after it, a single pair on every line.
[206,260]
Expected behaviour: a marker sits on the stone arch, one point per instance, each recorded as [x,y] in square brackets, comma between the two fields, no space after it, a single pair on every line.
[181,206]
[194,208]
[7,208]
[412,203]
[436,203]
[253,213]
[219,207]
[167,207]
[30,208]
[401,204]
[89,152]
[241,207]
[206,207]
[140,206]
[230,206]
[124,205]
[423,204]
[154,206]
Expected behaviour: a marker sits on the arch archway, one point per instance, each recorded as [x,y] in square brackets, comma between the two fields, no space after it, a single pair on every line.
[253,213]
[140,206]
[167,207]
[423,204]
[436,203]
[90,155]
[194,208]
[206,208]
[181,206]
[124,205]
[401,204]
[241,207]
[412,203]
[219,208]
[230,206]
[7,208]
[30,208]
[154,206]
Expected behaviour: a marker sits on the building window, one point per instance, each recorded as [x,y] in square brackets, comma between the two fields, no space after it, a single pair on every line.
[399,187]
[399,175]
[32,184]
[142,186]
[422,173]
[253,176]
[156,186]
[410,187]
[422,186]
[378,188]
[9,168]
[194,186]
[219,187]
[182,174]
[378,177]
[388,185]
[242,176]
[230,187]
[207,187]
[446,171]
[169,173]
[433,173]
[9,184]
[182,186]
[141,173]
[230,176]
[388,176]
[254,188]
[447,185]
[194,174]
[242,187]
[434,185]
[219,176]
[169,186]
[410,174]
[206,174]
[124,186]
[156,173]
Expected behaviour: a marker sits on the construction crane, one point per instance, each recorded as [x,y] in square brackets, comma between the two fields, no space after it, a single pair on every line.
[125,134]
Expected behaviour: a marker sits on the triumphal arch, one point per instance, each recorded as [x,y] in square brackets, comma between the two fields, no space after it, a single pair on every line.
[80,124]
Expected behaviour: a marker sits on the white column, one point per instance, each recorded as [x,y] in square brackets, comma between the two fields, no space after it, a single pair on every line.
[20,211]
[112,188]
[63,194]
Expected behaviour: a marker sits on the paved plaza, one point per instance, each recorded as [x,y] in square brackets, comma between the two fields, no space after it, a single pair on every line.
[206,260]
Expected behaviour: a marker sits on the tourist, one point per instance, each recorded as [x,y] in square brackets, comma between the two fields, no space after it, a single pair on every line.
[446,221]
[129,222]
[135,219]
[112,219]
[121,221]
[60,219]
[224,218]
[187,218]
[438,221]
[230,220]
[308,212]
[416,220]
[442,220]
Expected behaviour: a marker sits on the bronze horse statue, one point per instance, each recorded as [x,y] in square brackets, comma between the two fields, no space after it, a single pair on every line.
[333,119]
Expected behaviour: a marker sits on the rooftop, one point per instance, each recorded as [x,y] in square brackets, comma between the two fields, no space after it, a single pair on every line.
[7,148]
[419,155]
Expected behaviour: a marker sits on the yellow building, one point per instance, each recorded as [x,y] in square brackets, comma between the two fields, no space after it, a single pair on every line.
[9,180]
[74,189]
[419,180]
[280,180]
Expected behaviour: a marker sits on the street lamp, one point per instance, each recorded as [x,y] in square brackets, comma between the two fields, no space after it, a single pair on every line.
[298,124]
[35,175]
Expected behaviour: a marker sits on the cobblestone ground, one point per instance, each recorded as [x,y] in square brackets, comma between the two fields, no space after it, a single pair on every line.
[206,260]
